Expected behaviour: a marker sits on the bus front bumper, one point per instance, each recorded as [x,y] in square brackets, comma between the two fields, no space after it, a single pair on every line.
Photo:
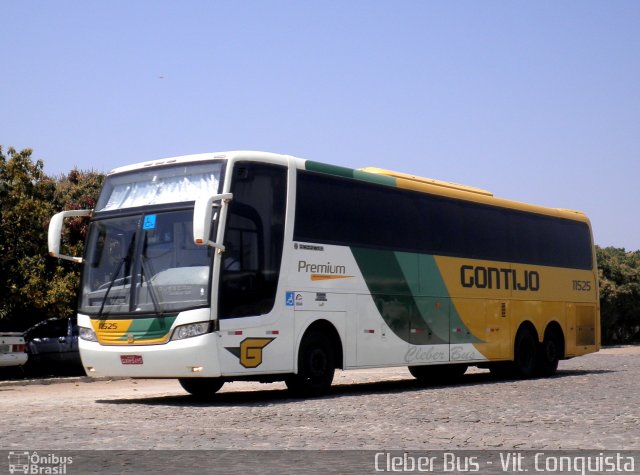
[191,357]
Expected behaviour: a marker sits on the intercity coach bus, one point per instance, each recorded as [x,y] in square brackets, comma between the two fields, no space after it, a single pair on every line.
[256,266]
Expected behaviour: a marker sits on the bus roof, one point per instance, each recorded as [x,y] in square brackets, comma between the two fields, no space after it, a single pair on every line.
[430,181]
[203,157]
[370,174]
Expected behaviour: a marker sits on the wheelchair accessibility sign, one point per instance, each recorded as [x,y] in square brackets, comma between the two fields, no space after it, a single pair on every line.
[290,299]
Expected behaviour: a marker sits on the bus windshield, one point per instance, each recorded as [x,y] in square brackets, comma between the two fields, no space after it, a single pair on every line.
[145,263]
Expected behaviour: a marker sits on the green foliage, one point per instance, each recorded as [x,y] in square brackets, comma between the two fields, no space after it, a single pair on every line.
[619,295]
[32,285]
[76,190]
[26,197]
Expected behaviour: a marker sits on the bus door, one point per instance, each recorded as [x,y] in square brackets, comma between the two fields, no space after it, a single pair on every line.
[250,267]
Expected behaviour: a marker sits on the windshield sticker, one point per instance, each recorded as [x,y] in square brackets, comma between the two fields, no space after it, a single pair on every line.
[149,222]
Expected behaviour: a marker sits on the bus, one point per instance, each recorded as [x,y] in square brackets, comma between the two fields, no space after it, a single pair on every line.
[246,265]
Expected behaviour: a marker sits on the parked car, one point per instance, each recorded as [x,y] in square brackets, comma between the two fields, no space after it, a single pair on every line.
[12,349]
[52,346]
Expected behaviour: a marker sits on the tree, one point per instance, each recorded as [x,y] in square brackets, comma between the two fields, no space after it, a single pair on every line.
[32,285]
[26,204]
[619,273]
[76,190]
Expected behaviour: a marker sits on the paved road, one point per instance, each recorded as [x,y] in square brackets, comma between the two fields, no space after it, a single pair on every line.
[592,403]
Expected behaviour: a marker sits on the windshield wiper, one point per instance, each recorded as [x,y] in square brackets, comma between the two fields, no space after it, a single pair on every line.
[115,274]
[144,262]
[152,291]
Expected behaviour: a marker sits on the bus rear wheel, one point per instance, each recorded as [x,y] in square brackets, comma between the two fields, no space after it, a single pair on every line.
[525,353]
[550,352]
[202,388]
[316,367]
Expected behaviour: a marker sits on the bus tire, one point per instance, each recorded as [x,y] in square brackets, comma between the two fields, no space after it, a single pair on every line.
[525,353]
[202,388]
[550,352]
[433,374]
[316,366]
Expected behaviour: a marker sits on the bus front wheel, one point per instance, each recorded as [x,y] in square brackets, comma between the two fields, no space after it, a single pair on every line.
[316,366]
[201,388]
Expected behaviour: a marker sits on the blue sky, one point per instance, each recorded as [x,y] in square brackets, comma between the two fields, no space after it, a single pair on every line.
[535,101]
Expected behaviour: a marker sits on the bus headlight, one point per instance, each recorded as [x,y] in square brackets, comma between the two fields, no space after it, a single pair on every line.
[87,334]
[190,330]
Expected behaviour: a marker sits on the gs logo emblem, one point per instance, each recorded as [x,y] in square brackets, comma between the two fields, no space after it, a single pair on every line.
[250,351]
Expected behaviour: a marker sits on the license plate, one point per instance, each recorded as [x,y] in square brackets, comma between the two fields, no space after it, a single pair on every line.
[131,359]
[5,349]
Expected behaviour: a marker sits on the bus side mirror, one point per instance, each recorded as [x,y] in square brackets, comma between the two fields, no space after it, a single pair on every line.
[55,232]
[202,214]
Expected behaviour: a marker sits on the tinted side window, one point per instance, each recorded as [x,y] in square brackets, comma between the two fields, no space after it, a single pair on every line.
[342,211]
[484,232]
[347,212]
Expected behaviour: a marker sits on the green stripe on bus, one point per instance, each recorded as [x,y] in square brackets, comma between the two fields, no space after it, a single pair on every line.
[149,328]
[349,173]
[410,294]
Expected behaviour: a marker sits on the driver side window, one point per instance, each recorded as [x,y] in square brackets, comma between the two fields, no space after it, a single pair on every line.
[253,240]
